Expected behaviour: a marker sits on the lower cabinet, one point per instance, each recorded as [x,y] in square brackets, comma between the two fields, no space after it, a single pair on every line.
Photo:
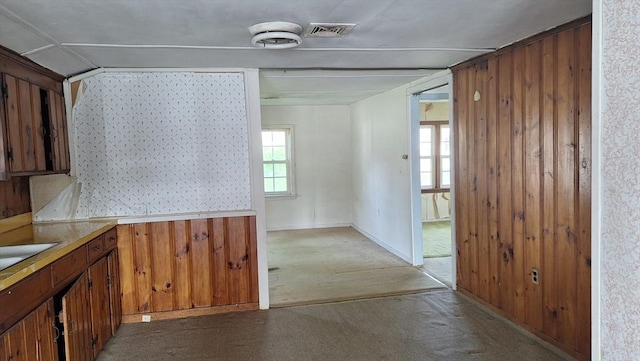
[88,310]
[77,301]
[33,338]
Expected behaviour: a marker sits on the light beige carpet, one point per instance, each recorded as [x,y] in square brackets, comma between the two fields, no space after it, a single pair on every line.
[436,239]
[335,264]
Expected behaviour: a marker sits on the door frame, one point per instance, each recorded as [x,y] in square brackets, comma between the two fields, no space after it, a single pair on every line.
[413,100]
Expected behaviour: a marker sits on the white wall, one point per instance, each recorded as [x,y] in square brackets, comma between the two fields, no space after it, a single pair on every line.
[381,178]
[617,179]
[323,175]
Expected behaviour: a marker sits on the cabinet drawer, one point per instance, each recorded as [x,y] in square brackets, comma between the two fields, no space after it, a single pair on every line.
[68,267]
[110,239]
[95,249]
[23,297]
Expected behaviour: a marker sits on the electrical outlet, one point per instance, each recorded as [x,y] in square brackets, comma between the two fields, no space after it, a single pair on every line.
[146,318]
[535,276]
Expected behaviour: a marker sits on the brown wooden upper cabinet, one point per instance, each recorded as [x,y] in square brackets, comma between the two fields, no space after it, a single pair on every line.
[33,126]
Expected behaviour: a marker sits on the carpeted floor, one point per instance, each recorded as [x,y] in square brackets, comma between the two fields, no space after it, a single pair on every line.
[336,264]
[437,325]
[436,239]
[439,268]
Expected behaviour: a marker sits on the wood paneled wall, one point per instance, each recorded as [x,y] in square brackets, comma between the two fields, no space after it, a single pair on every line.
[14,197]
[523,180]
[186,265]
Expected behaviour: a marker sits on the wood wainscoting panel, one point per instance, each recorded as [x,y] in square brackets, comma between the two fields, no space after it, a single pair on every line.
[523,183]
[172,266]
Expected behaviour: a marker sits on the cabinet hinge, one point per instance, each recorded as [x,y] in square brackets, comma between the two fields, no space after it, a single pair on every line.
[94,342]
[5,92]
[90,284]
[108,281]
[10,154]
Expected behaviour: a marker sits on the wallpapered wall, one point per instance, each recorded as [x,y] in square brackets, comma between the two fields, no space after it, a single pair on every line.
[162,143]
[620,181]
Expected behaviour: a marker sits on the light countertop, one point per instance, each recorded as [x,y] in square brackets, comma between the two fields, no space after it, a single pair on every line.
[68,236]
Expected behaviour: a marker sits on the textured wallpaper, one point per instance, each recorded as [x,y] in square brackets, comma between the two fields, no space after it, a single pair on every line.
[621,181]
[162,143]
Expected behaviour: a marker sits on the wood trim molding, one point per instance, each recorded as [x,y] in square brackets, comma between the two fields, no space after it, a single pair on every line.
[167,315]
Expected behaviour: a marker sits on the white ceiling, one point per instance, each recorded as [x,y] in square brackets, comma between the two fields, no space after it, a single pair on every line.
[393,43]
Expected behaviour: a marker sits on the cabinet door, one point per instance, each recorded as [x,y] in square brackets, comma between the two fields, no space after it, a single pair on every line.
[25,130]
[76,317]
[47,337]
[58,126]
[100,309]
[115,292]
[32,338]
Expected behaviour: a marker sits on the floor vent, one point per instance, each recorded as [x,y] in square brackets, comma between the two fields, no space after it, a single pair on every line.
[326,30]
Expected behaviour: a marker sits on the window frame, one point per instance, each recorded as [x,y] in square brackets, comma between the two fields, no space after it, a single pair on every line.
[436,155]
[289,142]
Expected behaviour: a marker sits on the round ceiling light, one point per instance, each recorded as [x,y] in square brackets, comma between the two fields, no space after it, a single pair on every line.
[276,35]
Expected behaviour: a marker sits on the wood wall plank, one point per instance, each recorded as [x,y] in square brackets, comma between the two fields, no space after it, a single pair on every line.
[201,259]
[208,262]
[517,181]
[492,183]
[182,267]
[548,274]
[523,199]
[162,266]
[142,267]
[566,189]
[461,111]
[14,197]
[239,280]
[471,248]
[127,269]
[481,244]
[532,189]
[220,260]
[253,259]
[583,36]
[505,225]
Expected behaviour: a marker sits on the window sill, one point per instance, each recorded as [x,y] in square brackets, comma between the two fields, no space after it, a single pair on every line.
[282,197]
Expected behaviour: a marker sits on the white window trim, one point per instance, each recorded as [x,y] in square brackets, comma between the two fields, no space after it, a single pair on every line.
[290,170]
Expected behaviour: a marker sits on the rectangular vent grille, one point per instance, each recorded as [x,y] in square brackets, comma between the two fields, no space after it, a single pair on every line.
[326,30]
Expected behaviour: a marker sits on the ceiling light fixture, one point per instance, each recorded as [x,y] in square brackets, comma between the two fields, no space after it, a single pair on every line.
[276,35]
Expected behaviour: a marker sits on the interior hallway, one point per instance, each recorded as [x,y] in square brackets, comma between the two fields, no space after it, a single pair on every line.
[336,264]
[436,325]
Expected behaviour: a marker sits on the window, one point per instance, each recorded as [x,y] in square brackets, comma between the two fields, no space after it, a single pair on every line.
[435,155]
[276,157]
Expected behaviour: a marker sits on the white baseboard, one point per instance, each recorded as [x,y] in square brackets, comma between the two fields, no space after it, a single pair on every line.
[307,226]
[385,245]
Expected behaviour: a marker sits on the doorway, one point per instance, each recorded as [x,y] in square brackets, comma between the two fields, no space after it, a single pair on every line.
[432,179]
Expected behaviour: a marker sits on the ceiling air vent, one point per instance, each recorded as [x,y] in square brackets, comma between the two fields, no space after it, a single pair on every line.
[327,30]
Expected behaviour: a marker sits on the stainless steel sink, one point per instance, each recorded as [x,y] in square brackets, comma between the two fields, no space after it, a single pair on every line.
[10,255]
